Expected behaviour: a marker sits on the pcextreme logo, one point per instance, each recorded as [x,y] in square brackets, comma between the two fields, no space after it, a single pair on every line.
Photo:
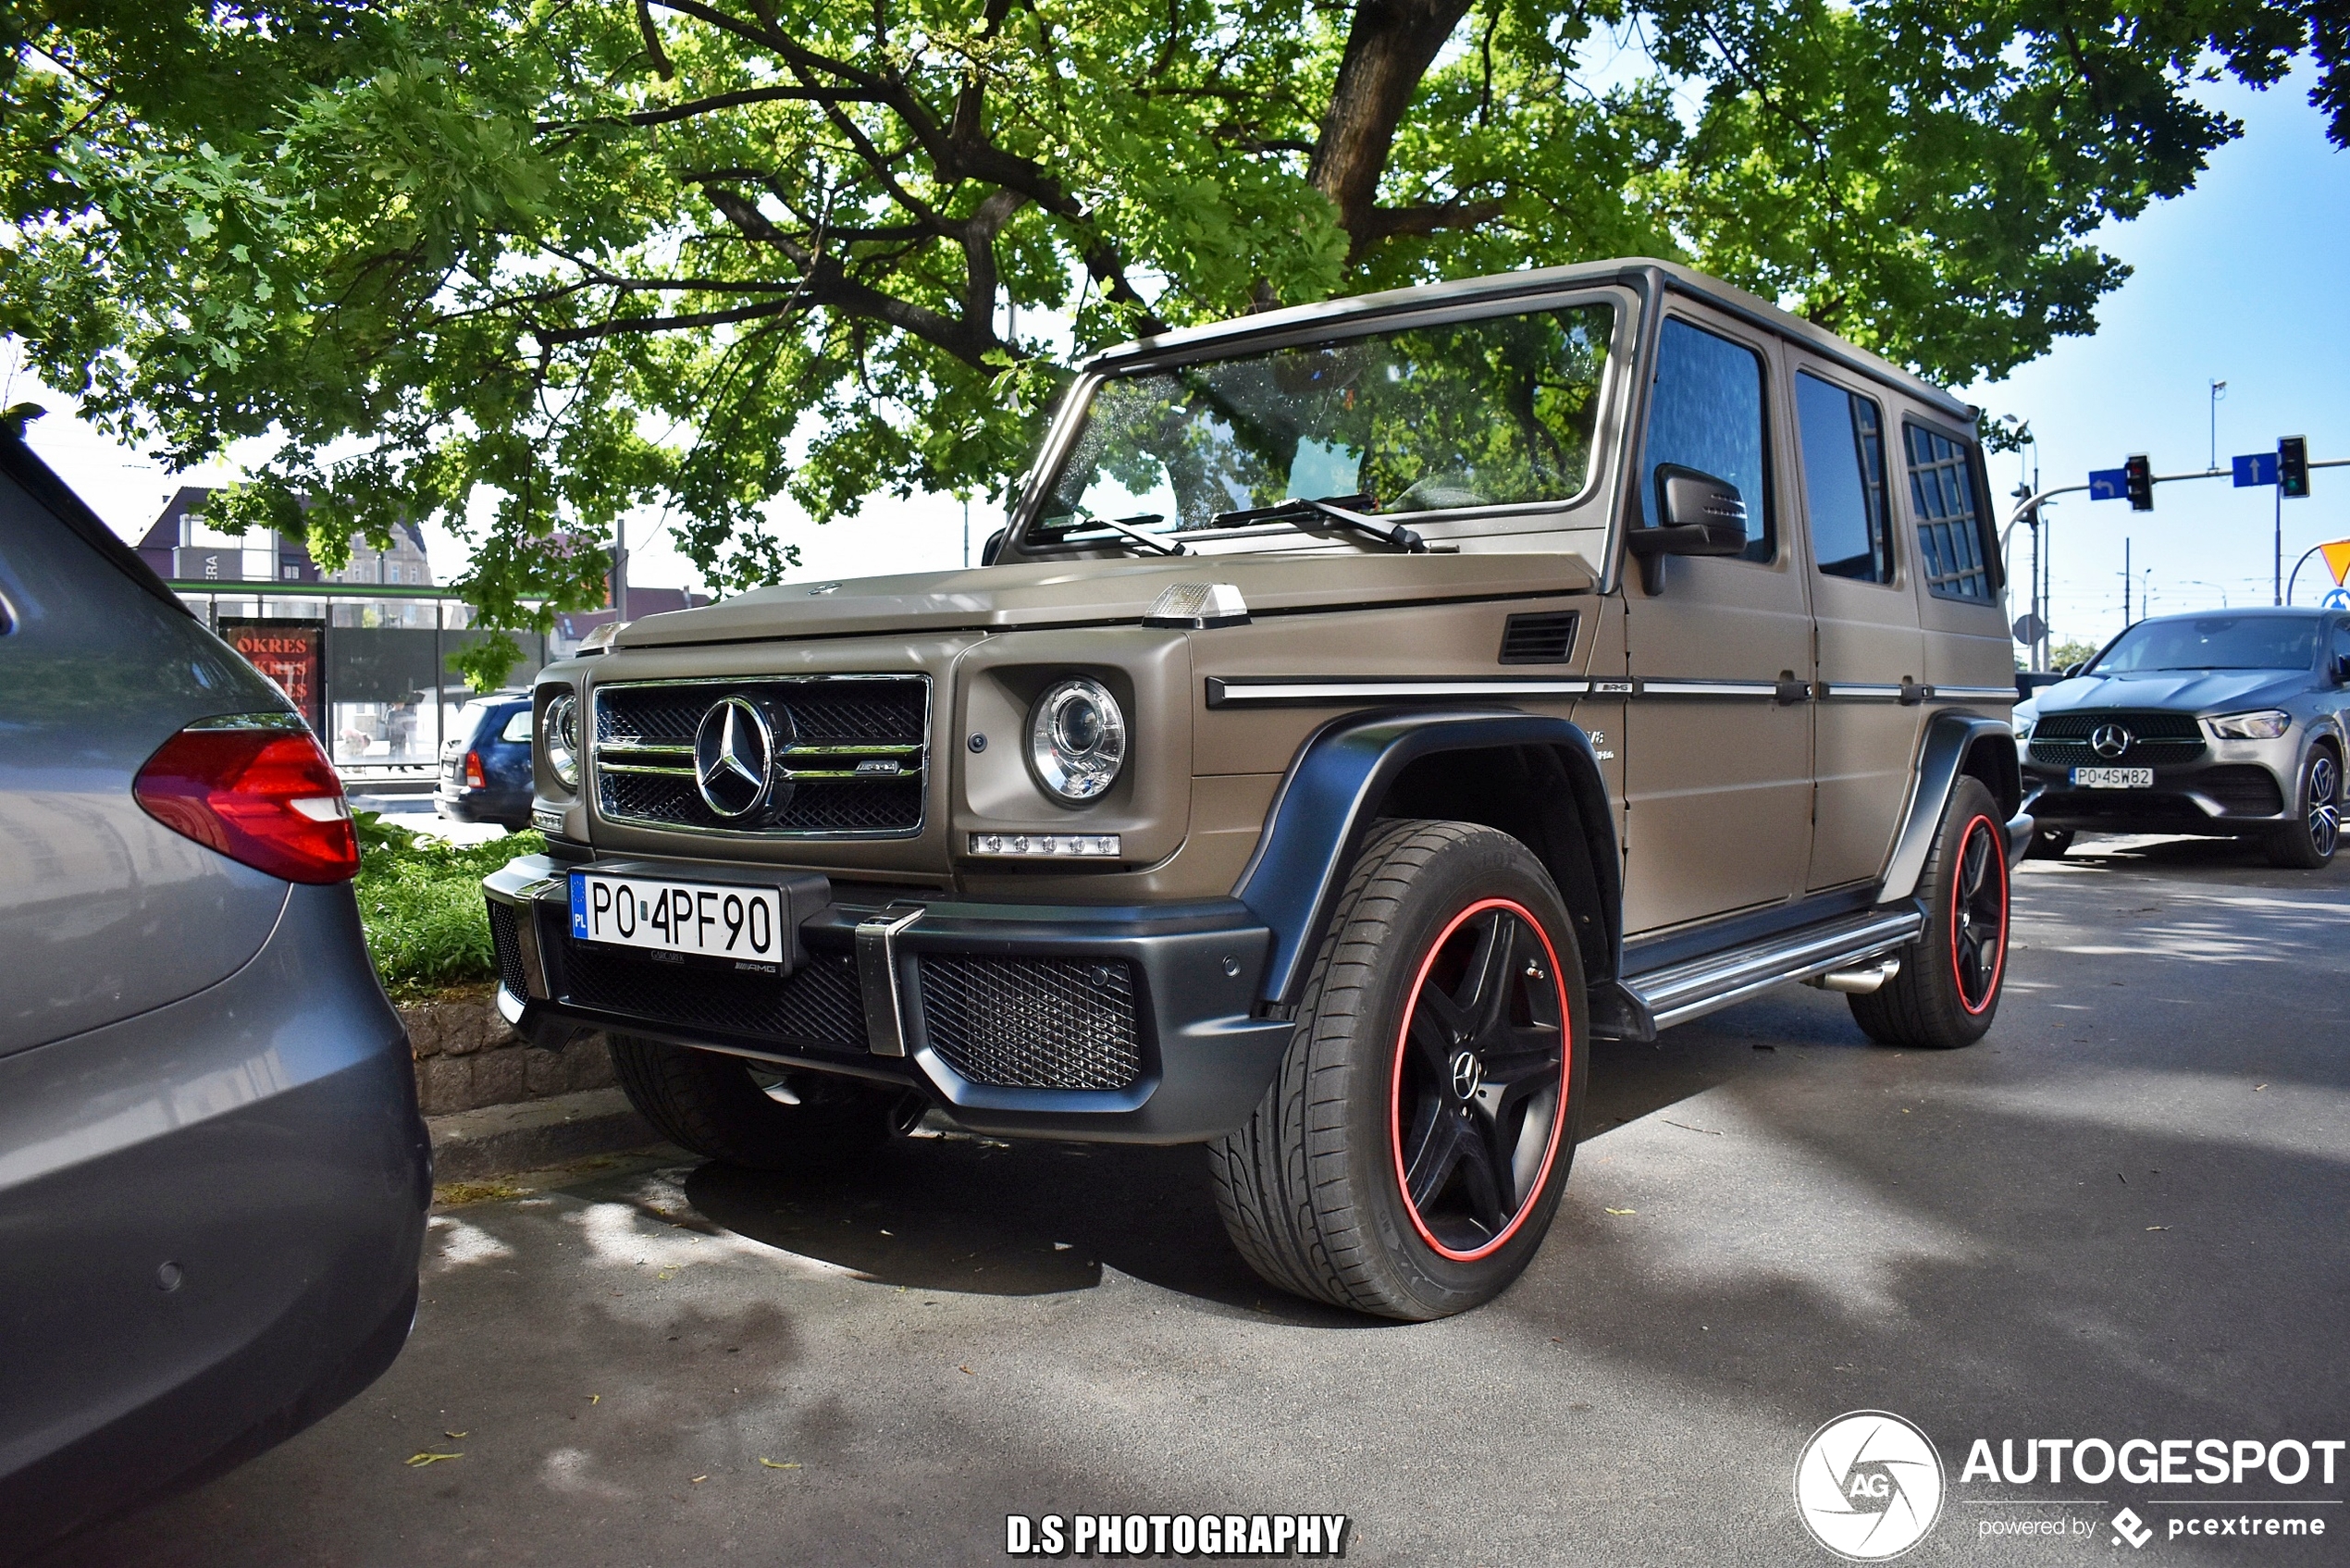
[1869,1485]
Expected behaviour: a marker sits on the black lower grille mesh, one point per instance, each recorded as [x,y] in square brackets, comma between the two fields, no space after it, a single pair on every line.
[2241,789]
[818,1005]
[505,937]
[1033,1024]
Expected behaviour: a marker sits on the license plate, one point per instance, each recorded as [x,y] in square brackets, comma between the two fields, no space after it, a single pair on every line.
[694,918]
[2113,778]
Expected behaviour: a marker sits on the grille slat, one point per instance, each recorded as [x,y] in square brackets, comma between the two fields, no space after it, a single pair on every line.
[1546,637]
[634,786]
[1033,1024]
[2241,789]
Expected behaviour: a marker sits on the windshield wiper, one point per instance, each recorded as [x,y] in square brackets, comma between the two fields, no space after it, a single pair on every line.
[1297,508]
[1131,527]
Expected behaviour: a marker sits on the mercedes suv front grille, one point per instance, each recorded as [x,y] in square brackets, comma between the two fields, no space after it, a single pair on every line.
[845,756]
[2144,740]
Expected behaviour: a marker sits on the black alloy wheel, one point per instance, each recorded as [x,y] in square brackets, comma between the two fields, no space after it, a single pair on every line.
[1480,1078]
[1979,914]
[2309,843]
[1409,1158]
[1947,987]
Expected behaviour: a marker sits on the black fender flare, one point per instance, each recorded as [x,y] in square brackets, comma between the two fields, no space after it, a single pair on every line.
[1327,802]
[1956,746]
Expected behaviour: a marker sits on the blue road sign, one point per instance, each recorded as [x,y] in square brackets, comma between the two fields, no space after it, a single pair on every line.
[2336,599]
[2257,468]
[2109,484]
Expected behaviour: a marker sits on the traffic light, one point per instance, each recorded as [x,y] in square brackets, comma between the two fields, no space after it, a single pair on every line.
[2137,479]
[2292,467]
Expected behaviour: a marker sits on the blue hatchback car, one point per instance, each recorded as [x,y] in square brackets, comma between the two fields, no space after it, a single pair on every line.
[485,769]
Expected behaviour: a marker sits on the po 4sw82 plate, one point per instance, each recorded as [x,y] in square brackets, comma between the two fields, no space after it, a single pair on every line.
[2113,778]
[696,919]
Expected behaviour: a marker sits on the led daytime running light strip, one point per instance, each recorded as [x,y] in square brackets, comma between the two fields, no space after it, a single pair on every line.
[1050,845]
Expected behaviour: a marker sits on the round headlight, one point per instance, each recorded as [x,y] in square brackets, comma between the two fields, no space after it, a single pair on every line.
[1077,740]
[559,734]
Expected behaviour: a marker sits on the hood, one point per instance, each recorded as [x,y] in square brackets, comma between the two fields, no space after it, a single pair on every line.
[2185,691]
[1062,593]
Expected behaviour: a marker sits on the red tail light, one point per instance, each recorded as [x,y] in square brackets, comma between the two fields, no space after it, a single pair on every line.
[255,787]
[475,777]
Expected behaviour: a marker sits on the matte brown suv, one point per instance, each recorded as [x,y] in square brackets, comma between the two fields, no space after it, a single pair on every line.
[1366,707]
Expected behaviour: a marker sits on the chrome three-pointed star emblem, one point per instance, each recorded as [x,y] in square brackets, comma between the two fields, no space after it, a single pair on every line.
[735,758]
[2110,740]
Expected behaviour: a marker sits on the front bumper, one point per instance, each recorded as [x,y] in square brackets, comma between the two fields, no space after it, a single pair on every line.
[1111,1024]
[2235,787]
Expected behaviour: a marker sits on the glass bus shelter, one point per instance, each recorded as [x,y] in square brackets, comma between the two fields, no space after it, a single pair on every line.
[371,664]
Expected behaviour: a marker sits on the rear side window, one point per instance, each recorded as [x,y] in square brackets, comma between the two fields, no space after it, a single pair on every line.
[1706,413]
[1951,552]
[518,725]
[1844,479]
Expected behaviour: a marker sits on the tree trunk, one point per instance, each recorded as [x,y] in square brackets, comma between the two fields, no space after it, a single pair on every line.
[1388,50]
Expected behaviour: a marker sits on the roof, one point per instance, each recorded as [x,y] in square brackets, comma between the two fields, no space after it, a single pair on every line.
[1644,273]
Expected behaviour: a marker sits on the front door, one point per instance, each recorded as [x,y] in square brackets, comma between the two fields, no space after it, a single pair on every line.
[1718,733]
[1872,654]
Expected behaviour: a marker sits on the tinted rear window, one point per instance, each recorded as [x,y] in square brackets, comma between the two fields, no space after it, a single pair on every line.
[2213,642]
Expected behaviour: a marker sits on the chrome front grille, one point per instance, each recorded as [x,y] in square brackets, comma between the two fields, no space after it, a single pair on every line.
[850,759]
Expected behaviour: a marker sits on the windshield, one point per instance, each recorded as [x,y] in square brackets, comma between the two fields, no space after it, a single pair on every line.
[1467,414]
[2213,642]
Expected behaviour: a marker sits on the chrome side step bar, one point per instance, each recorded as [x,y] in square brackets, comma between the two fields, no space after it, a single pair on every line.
[1689,990]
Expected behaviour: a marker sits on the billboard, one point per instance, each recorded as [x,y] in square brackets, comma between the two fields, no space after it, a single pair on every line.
[291,653]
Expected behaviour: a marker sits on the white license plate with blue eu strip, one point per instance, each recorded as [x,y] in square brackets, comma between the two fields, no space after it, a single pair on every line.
[696,918]
[2113,778]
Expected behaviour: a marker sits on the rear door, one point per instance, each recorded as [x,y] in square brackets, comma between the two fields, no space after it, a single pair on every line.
[1718,734]
[103,911]
[1871,654]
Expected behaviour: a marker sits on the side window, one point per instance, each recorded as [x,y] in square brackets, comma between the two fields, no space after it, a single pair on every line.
[517,726]
[1950,550]
[1844,479]
[1706,413]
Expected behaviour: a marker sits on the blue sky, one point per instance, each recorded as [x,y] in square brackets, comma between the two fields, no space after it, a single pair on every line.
[2246,278]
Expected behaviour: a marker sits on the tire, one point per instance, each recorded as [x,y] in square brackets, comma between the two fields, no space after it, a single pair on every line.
[1314,1188]
[1947,990]
[722,1106]
[2049,844]
[2309,843]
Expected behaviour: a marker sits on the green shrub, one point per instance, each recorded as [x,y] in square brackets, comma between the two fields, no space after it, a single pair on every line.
[420,901]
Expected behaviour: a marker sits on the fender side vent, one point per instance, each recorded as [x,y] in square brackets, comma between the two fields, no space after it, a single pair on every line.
[1543,639]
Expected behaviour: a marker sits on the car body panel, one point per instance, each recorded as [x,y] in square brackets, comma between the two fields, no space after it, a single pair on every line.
[213,1175]
[103,911]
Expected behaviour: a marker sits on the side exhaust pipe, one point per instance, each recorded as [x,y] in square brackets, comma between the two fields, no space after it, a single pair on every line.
[1858,979]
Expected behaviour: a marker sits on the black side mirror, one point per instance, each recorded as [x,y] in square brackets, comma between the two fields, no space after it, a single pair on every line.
[2070,671]
[1697,514]
[993,548]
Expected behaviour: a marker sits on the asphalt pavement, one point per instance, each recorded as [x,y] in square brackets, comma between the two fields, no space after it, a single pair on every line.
[2121,1215]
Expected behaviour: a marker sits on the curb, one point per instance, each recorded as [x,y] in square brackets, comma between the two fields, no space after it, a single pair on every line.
[496,1140]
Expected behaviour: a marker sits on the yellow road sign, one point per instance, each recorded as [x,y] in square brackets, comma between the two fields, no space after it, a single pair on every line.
[2337,559]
